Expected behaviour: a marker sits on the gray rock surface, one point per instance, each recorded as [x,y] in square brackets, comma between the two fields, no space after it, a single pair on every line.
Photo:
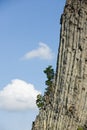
[66,108]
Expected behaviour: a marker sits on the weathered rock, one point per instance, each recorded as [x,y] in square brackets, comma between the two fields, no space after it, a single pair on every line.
[68,107]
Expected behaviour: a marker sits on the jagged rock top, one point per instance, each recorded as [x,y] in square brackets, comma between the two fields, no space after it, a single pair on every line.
[76,2]
[73,6]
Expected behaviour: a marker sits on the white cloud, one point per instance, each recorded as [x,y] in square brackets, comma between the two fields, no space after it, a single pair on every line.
[42,52]
[18,95]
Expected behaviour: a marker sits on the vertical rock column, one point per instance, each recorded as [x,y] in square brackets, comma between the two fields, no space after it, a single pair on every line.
[71,79]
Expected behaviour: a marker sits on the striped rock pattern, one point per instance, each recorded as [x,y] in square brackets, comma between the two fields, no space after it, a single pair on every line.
[67,106]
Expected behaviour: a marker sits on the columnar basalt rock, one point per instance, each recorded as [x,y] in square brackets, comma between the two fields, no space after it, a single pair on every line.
[67,108]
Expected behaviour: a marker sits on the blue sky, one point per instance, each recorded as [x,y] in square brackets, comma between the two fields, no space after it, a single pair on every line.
[29,38]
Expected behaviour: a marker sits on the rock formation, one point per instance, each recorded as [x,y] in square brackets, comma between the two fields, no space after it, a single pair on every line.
[66,107]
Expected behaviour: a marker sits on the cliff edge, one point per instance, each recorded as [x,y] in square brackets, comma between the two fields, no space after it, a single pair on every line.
[66,107]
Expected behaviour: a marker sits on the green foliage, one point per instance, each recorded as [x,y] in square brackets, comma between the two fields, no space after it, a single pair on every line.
[79,128]
[49,71]
[40,101]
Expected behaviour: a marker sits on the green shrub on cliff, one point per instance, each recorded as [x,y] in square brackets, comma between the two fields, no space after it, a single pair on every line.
[49,71]
[40,101]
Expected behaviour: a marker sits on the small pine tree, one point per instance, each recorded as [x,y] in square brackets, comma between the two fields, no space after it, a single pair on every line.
[49,71]
[40,101]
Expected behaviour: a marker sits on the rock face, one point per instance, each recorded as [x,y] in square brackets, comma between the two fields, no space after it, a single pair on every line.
[66,108]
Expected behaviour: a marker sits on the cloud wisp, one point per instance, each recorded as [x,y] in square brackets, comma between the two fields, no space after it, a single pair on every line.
[42,52]
[18,95]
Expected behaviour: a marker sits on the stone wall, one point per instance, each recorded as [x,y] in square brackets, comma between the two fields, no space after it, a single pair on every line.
[67,107]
